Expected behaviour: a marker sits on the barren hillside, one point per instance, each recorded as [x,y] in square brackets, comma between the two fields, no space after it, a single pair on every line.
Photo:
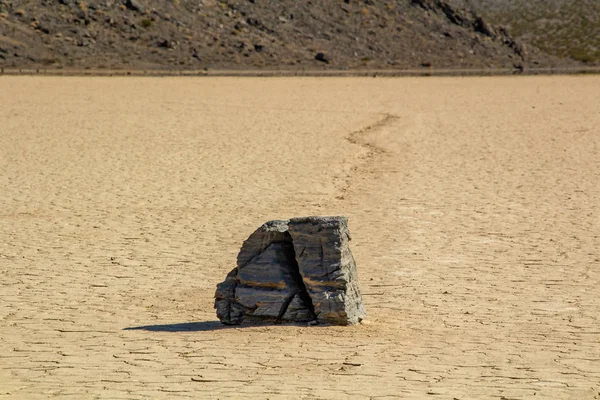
[247,34]
[565,28]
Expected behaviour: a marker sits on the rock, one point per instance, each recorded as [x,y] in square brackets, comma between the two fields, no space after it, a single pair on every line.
[322,57]
[298,270]
[164,43]
[519,68]
[482,26]
[42,28]
[134,6]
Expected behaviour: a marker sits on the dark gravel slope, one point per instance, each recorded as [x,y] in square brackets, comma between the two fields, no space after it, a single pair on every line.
[250,34]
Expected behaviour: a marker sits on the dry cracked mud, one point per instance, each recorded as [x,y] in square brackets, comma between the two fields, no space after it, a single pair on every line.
[474,214]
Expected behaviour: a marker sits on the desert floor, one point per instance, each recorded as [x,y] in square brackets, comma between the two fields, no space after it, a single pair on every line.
[474,205]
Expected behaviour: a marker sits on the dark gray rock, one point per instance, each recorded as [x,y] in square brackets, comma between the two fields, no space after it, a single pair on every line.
[298,270]
[134,6]
[322,57]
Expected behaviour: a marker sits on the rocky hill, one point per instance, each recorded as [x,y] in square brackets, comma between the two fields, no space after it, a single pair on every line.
[564,28]
[250,34]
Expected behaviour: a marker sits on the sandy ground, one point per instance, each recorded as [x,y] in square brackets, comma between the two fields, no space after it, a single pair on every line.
[473,203]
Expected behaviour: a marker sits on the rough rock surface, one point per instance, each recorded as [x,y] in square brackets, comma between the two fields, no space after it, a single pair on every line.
[296,270]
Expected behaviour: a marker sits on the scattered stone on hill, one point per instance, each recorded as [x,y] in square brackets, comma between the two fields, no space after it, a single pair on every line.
[134,6]
[136,34]
[558,27]
[164,43]
[195,54]
[297,270]
[481,25]
[322,57]
[469,19]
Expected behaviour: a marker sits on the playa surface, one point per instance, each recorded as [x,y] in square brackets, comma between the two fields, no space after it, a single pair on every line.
[474,206]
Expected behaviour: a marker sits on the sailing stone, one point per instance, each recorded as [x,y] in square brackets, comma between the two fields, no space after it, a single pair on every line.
[297,270]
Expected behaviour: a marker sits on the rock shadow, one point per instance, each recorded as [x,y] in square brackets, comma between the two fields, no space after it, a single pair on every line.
[206,326]
[203,326]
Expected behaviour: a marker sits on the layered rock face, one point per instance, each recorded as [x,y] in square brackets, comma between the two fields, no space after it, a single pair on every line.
[297,270]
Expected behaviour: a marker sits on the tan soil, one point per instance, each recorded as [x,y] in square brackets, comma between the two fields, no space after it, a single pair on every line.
[473,204]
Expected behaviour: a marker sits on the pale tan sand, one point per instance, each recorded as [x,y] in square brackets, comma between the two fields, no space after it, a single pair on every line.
[473,204]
